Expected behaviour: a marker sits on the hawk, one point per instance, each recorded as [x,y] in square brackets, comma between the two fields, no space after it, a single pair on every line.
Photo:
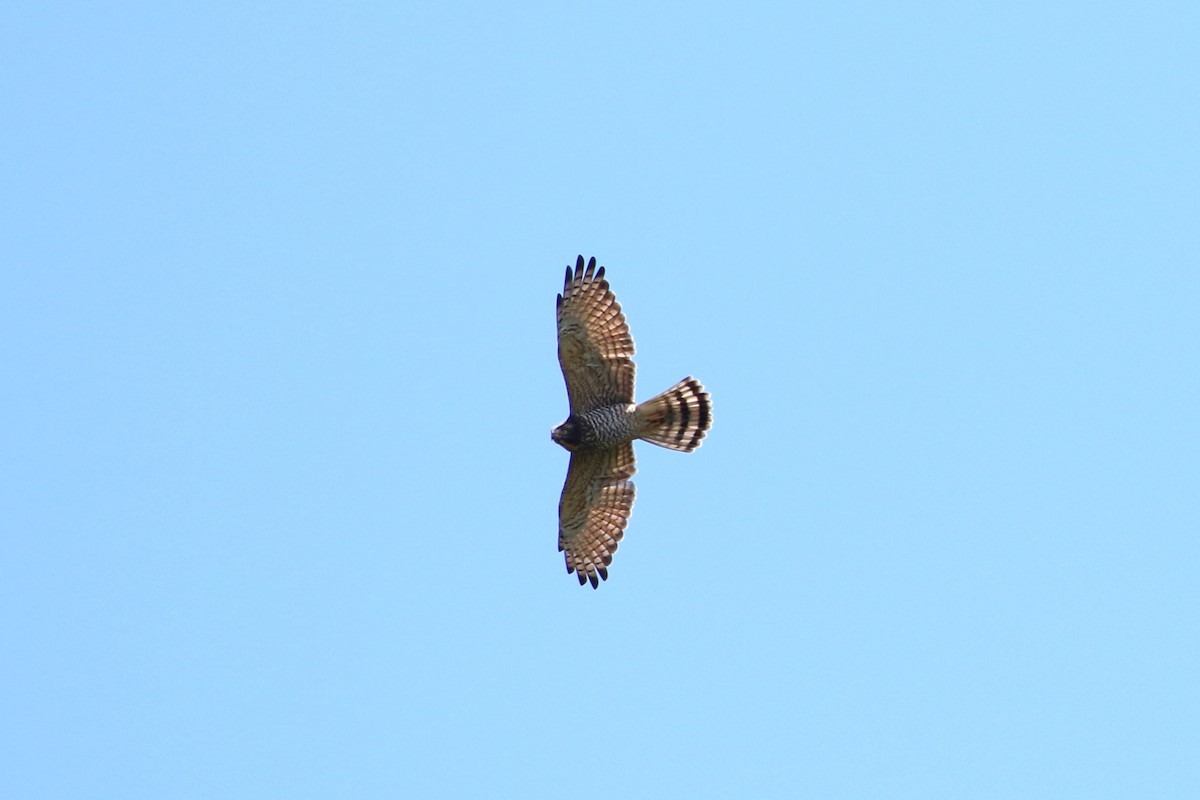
[595,352]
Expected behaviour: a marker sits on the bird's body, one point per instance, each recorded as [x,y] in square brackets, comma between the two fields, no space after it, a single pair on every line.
[595,351]
[602,427]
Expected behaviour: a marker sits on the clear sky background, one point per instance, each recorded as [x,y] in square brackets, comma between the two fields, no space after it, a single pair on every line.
[277,343]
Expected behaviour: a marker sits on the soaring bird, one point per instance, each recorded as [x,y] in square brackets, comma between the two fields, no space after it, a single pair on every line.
[595,351]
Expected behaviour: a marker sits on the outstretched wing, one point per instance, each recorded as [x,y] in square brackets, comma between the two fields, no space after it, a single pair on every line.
[595,349]
[595,506]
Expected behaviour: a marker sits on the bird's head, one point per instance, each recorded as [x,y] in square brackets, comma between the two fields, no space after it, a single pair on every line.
[566,434]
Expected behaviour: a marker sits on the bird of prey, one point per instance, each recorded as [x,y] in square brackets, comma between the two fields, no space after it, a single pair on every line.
[595,352]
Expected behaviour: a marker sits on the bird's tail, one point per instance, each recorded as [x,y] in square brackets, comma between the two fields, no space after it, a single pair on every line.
[677,418]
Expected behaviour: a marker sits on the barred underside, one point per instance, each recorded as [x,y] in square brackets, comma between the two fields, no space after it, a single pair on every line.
[608,426]
[678,418]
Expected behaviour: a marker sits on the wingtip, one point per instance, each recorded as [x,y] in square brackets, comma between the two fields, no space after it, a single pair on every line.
[584,271]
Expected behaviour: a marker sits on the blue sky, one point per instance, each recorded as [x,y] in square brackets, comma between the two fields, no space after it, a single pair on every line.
[279,497]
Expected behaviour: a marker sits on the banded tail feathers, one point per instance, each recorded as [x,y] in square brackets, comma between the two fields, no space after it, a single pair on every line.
[676,419]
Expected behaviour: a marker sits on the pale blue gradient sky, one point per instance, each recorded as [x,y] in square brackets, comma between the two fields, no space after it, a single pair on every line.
[278,494]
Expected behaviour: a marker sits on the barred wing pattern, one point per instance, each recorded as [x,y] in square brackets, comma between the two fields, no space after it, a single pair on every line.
[595,349]
[597,500]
